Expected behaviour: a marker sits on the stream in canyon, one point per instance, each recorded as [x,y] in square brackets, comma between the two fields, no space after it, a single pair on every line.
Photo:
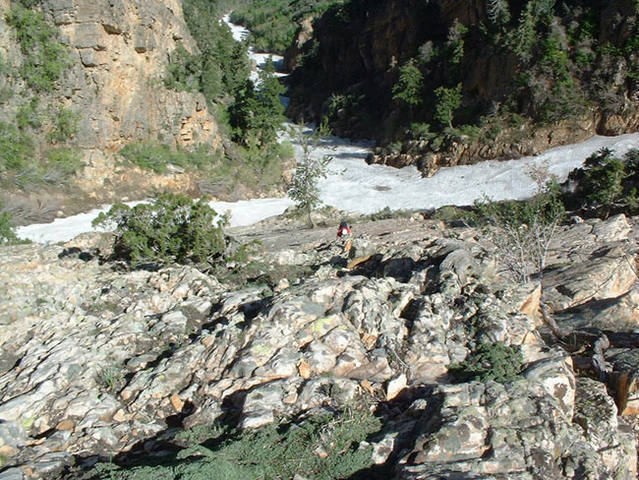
[352,185]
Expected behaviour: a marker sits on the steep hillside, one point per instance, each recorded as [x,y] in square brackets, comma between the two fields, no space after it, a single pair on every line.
[459,81]
[273,23]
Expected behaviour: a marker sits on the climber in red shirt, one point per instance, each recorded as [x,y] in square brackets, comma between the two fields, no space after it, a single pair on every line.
[343,230]
[344,233]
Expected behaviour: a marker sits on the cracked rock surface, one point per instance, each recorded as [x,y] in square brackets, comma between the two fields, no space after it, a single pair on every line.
[95,361]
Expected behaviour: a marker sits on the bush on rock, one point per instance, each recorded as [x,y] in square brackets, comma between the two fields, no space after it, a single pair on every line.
[173,228]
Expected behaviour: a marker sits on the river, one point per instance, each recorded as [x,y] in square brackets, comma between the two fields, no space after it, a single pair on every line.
[352,185]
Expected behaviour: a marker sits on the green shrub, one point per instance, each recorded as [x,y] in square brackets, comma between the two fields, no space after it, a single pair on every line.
[448,100]
[408,88]
[29,115]
[7,230]
[173,228]
[45,58]
[259,168]
[264,164]
[148,155]
[62,163]
[111,378]
[322,447]
[183,71]
[155,156]
[16,148]
[341,109]
[451,214]
[65,126]
[386,213]
[260,273]
[606,184]
[420,131]
[6,91]
[490,361]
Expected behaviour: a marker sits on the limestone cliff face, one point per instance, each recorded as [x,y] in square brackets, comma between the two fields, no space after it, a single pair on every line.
[119,51]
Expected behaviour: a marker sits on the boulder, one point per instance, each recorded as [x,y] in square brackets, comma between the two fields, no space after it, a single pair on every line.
[616,314]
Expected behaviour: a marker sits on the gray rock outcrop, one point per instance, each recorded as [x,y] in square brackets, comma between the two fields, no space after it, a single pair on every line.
[95,361]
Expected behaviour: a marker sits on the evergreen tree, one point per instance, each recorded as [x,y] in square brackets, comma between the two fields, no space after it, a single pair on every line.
[242,112]
[257,113]
[7,230]
[607,184]
[455,42]
[448,100]
[408,88]
[235,64]
[223,62]
[498,11]
[270,108]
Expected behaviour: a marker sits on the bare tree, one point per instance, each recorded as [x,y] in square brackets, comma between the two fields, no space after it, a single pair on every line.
[523,232]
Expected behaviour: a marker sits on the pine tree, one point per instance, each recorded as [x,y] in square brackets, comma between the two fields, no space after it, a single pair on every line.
[409,85]
[448,100]
[242,112]
[498,11]
[257,113]
[270,111]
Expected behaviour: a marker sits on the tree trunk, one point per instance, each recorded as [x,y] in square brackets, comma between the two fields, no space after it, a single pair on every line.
[310,219]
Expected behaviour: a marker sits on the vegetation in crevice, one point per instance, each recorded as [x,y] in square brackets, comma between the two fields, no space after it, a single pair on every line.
[489,361]
[45,58]
[323,446]
[36,139]
[158,157]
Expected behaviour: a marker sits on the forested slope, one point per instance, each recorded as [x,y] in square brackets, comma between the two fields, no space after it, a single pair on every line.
[453,81]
